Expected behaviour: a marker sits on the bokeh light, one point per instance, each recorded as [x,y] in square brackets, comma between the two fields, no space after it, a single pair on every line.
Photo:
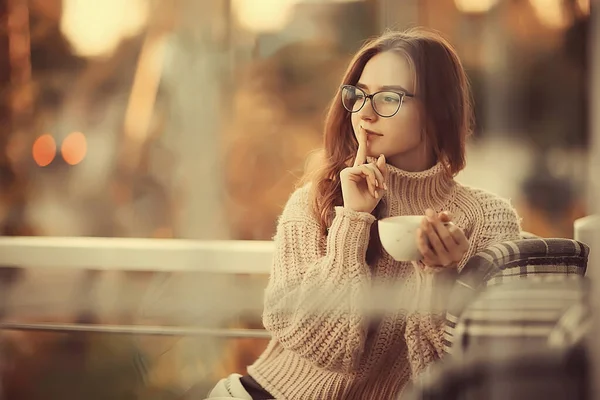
[44,150]
[263,16]
[97,27]
[74,148]
[551,13]
[475,6]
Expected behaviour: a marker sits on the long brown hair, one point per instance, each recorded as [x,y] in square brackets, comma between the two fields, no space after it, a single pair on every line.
[444,93]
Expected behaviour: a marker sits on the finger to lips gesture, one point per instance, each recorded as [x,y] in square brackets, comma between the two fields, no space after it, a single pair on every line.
[363,184]
[441,242]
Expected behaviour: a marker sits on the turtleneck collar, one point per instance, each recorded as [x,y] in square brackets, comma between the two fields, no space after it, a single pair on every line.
[411,193]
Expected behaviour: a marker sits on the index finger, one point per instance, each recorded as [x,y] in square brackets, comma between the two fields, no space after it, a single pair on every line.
[361,154]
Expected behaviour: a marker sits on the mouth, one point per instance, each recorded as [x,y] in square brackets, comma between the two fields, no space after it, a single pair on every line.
[371,133]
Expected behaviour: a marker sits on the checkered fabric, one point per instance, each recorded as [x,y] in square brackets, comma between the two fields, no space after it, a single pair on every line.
[523,314]
[518,307]
[532,373]
[573,326]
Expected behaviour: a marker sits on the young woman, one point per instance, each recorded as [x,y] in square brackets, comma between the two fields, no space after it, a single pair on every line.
[394,140]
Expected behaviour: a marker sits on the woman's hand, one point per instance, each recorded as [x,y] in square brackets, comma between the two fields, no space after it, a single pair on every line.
[441,243]
[363,184]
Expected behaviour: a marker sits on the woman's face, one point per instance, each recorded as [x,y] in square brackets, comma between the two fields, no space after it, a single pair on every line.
[400,137]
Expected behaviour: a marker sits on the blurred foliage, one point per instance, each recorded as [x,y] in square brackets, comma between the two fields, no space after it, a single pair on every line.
[272,112]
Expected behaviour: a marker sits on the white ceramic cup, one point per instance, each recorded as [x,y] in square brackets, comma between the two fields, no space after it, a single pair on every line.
[398,236]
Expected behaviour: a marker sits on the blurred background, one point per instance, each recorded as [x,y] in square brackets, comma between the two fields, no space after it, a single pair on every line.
[192,119]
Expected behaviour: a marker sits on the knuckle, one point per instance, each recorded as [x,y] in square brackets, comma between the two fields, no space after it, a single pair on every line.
[375,171]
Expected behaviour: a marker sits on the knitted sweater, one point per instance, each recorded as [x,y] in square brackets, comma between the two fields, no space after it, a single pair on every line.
[324,345]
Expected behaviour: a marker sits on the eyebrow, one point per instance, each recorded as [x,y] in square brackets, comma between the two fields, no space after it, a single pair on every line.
[385,87]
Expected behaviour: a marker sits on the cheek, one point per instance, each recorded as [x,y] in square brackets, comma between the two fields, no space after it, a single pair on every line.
[407,125]
[402,129]
[413,119]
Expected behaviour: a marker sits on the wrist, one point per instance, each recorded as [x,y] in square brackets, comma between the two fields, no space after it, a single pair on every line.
[435,268]
[358,210]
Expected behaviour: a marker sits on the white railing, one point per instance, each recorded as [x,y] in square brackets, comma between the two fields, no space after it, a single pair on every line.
[126,254]
[136,330]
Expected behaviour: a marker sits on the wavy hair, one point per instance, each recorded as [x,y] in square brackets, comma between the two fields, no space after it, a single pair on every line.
[446,107]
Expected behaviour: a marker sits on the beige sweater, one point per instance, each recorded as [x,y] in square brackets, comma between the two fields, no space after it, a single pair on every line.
[324,345]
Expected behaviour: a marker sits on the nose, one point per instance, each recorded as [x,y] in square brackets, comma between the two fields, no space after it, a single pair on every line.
[367,113]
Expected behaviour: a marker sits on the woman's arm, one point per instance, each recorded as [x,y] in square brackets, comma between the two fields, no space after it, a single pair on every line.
[424,329]
[317,285]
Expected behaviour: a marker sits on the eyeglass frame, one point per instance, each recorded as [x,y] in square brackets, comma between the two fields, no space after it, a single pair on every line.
[370,97]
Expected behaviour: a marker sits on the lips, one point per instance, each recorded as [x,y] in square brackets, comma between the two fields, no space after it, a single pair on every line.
[371,133]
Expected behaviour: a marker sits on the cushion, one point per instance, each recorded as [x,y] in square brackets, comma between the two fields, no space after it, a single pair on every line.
[509,261]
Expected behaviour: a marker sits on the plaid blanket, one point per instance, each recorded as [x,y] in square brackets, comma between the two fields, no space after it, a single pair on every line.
[534,373]
[514,307]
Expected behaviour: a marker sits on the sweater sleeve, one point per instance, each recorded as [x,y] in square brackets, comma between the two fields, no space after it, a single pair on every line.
[497,222]
[317,283]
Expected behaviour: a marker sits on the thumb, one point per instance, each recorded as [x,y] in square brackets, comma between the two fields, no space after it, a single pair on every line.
[445,216]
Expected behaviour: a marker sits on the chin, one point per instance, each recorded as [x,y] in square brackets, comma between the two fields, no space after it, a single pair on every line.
[375,150]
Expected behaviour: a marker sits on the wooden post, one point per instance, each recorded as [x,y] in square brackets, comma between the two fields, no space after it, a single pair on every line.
[15,112]
[594,191]
[5,112]
[16,102]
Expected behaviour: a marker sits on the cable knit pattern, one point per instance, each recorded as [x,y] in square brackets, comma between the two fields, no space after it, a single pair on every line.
[324,345]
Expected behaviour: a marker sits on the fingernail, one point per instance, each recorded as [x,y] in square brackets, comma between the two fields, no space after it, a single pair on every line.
[385,186]
[376,194]
[376,183]
[429,213]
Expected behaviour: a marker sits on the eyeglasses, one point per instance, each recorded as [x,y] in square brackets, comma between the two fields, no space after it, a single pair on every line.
[385,103]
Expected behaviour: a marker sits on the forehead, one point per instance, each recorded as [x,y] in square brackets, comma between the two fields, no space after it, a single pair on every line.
[387,69]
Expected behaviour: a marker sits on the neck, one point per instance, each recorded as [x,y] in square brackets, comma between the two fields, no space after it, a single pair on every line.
[411,193]
[415,160]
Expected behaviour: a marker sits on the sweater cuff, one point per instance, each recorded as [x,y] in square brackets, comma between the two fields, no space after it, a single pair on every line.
[348,237]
